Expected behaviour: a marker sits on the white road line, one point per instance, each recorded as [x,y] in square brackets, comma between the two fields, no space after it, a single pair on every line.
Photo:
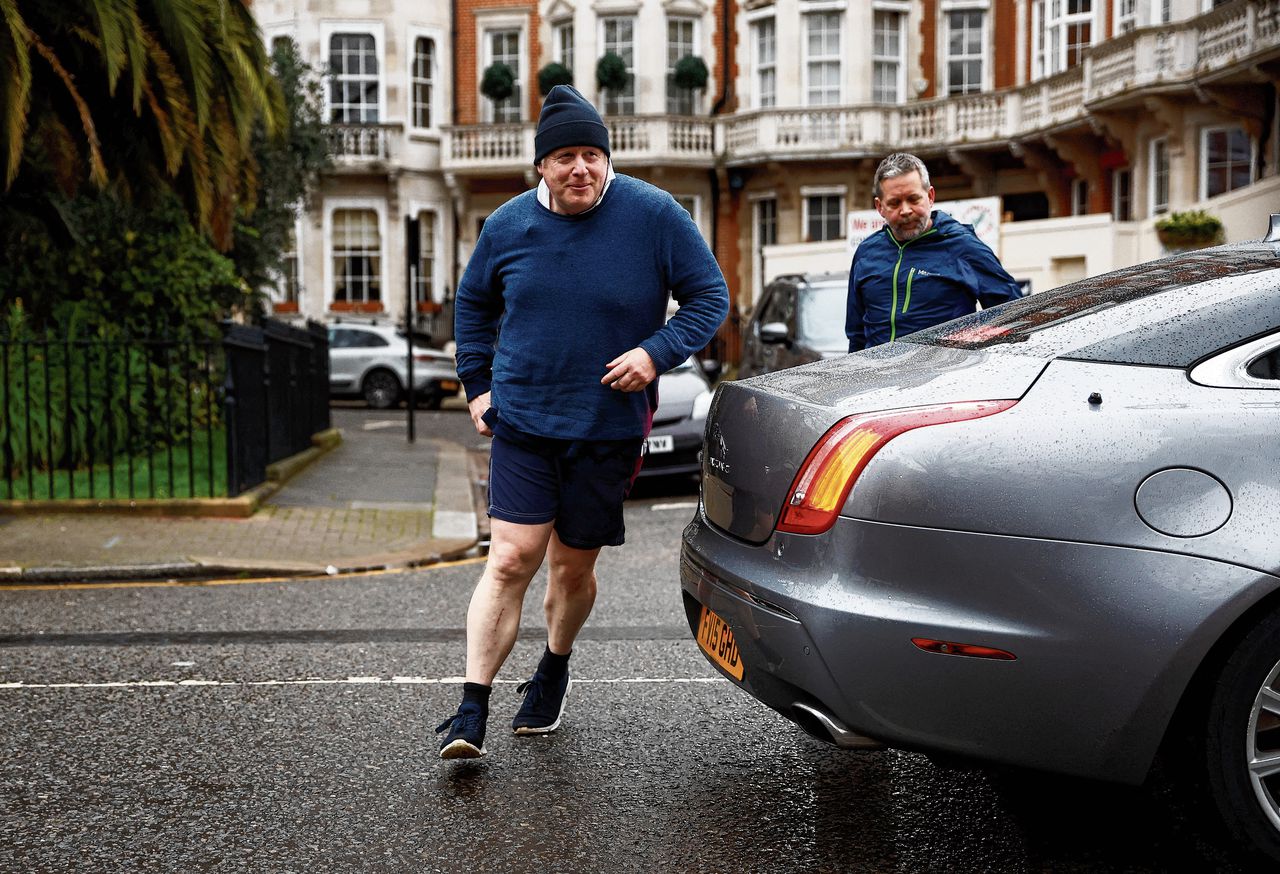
[679,505]
[345,681]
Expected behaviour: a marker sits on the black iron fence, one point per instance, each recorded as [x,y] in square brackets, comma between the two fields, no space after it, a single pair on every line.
[157,417]
[276,396]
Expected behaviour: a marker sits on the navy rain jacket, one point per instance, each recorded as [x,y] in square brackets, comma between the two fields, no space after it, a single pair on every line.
[898,288]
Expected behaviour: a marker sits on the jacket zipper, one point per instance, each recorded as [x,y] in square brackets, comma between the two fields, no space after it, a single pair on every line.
[893,308]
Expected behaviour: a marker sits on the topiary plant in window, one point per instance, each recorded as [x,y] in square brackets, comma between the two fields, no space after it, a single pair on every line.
[611,72]
[1190,229]
[498,82]
[553,74]
[691,72]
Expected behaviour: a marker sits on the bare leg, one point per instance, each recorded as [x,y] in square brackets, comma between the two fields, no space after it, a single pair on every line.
[493,619]
[571,593]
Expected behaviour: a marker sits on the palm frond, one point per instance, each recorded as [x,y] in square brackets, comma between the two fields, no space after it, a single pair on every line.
[173,114]
[97,168]
[15,41]
[180,26]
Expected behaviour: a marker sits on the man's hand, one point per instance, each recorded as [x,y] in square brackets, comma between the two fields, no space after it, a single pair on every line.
[477,406]
[630,371]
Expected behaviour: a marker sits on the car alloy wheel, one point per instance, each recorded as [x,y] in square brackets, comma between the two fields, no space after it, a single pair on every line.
[1242,740]
[381,389]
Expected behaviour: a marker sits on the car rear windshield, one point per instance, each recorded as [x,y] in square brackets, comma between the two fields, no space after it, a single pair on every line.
[1169,312]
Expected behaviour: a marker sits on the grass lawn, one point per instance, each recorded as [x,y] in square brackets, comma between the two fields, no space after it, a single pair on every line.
[151,476]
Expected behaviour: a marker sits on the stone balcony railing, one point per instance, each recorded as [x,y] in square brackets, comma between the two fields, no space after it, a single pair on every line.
[1169,55]
[362,144]
[633,140]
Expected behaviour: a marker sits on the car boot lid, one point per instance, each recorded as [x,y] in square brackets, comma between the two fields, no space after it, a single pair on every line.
[760,430]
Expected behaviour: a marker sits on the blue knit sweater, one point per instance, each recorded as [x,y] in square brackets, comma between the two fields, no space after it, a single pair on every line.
[570,294]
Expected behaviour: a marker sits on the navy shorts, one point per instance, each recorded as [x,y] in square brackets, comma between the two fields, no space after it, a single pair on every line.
[580,484]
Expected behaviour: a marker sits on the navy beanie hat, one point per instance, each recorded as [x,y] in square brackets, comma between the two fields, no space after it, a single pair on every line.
[568,119]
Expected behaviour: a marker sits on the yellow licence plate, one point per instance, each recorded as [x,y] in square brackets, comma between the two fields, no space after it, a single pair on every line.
[716,639]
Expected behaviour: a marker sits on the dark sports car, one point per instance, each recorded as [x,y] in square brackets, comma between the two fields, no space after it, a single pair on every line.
[1047,534]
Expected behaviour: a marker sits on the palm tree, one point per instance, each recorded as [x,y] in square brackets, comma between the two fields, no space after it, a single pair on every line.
[135,95]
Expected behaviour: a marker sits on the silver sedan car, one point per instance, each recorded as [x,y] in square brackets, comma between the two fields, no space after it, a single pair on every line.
[1046,535]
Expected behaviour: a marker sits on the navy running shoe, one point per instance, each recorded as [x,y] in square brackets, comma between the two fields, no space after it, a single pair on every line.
[543,705]
[465,739]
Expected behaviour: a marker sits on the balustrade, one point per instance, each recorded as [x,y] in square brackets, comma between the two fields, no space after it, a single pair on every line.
[1156,55]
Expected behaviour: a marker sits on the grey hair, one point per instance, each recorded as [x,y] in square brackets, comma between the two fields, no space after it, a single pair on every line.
[898,164]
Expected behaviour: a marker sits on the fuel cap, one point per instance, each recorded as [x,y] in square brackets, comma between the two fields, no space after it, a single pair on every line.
[1182,502]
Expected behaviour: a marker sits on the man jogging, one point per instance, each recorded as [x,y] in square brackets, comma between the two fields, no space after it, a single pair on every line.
[577,275]
[922,269]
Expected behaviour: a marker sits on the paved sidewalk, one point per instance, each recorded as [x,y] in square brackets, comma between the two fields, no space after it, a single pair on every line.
[373,501]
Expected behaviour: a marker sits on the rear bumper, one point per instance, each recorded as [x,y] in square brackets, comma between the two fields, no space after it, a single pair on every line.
[1106,638]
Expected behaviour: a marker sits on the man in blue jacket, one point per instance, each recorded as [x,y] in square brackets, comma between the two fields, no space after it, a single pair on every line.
[923,268]
[577,275]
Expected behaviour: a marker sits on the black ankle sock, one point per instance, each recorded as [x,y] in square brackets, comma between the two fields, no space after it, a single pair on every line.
[476,694]
[554,665]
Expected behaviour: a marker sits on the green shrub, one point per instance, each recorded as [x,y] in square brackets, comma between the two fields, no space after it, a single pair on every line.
[1190,229]
[553,74]
[498,82]
[691,73]
[611,72]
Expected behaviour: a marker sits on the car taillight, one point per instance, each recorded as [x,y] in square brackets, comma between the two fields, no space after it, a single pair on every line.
[828,473]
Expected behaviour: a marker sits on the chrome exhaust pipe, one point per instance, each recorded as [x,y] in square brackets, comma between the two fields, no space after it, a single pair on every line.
[840,736]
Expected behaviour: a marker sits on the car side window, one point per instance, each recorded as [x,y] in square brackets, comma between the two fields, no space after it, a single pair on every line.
[339,338]
[1255,364]
[1266,366]
[777,308]
[366,339]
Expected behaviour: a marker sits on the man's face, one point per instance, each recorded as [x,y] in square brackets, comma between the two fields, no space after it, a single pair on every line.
[906,205]
[575,176]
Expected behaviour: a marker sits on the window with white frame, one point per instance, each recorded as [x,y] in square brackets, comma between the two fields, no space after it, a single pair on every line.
[966,50]
[423,282]
[423,78]
[503,47]
[1158,175]
[824,216]
[1226,160]
[766,221]
[562,44]
[1166,11]
[1063,30]
[822,58]
[1079,197]
[1126,16]
[887,49]
[356,245]
[1122,194]
[681,42]
[353,79]
[620,38]
[289,283]
[764,57]
[765,233]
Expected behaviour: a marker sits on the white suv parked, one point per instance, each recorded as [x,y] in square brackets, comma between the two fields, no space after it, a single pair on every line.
[369,361]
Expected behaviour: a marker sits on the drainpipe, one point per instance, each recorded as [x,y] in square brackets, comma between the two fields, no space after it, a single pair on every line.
[725,6]
[453,119]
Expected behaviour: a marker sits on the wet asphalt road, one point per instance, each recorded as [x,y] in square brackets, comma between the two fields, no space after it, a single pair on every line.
[302,742]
